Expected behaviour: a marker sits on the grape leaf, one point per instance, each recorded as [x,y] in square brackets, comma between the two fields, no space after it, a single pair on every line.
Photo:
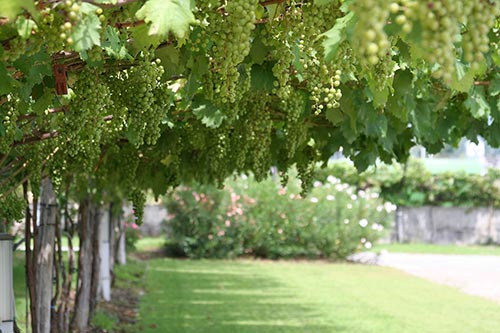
[113,45]
[6,81]
[142,39]
[476,103]
[167,16]
[25,26]
[11,8]
[262,78]
[494,88]
[86,33]
[209,114]
[335,116]
[463,78]
[336,35]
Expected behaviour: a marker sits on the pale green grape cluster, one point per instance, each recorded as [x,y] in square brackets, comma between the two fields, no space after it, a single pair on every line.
[138,199]
[231,35]
[370,41]
[305,169]
[83,130]
[440,31]
[441,24]
[294,129]
[323,81]
[141,88]
[9,112]
[481,18]
[12,207]
[280,37]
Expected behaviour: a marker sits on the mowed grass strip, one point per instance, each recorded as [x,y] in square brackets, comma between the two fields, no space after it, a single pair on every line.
[292,297]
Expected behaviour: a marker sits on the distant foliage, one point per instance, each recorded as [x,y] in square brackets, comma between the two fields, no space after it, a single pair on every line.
[418,187]
[269,221]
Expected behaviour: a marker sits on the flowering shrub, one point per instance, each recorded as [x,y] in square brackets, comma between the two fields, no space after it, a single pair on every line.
[132,233]
[266,220]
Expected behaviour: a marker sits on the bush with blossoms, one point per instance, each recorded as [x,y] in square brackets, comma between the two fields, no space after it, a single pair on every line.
[132,232]
[267,220]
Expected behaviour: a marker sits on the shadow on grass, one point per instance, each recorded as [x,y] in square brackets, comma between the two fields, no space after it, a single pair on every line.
[204,299]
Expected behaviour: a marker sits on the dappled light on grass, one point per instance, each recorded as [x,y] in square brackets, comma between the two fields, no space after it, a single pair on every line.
[208,296]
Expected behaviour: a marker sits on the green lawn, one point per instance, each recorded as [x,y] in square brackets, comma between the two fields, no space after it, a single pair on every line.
[439,165]
[439,249]
[184,296]
[20,290]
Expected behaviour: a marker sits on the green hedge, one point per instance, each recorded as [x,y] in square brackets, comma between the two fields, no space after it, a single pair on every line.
[413,185]
[265,220]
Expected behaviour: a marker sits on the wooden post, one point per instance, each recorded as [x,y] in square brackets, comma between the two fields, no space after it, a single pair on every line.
[85,258]
[44,257]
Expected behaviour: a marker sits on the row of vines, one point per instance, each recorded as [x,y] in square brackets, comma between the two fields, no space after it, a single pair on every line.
[104,99]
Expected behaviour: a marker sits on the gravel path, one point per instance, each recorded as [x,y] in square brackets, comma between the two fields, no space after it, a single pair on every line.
[472,274]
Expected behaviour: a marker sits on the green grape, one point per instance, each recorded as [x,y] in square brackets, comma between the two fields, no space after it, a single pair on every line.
[138,199]
[230,34]
[370,41]
[294,129]
[9,113]
[12,207]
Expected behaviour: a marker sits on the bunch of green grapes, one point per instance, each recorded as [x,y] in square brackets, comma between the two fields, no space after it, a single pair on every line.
[9,112]
[440,31]
[305,169]
[12,207]
[370,41]
[319,18]
[144,117]
[294,129]
[280,36]
[259,127]
[230,32]
[323,81]
[481,18]
[84,129]
[138,199]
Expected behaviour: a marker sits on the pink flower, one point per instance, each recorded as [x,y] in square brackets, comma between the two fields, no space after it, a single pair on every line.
[221,233]
[227,223]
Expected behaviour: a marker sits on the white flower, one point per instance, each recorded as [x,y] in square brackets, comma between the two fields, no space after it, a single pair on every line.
[368,245]
[374,195]
[332,179]
[362,193]
[389,207]
[349,190]
[354,197]
[346,221]
[363,240]
[377,227]
[349,206]
[330,197]
[339,187]
[317,184]
[314,200]
[363,223]
[380,208]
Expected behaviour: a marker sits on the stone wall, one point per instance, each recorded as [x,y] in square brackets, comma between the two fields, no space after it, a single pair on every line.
[447,225]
